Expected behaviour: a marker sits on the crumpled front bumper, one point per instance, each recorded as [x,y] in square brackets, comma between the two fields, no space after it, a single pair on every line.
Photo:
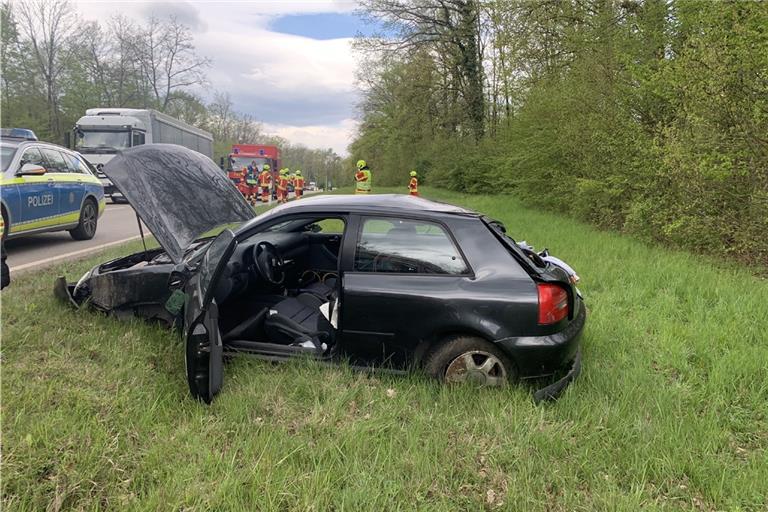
[64,291]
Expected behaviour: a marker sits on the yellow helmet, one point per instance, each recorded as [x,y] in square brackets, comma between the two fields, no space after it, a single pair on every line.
[413,174]
[265,167]
[361,164]
[298,172]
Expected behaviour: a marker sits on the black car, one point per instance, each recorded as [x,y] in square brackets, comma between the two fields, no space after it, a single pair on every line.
[385,281]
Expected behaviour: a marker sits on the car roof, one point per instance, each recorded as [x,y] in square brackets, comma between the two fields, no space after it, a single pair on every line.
[20,144]
[13,143]
[388,203]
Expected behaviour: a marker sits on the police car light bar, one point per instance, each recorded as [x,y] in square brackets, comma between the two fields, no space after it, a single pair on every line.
[17,133]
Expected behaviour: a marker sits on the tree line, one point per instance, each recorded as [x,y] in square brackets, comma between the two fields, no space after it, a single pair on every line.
[645,116]
[55,65]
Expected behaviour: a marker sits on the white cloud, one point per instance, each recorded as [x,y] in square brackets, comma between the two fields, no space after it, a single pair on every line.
[335,137]
[302,87]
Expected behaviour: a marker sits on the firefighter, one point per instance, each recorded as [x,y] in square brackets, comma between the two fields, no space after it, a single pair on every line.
[265,182]
[413,185]
[298,184]
[282,186]
[362,178]
[292,180]
[242,186]
[252,182]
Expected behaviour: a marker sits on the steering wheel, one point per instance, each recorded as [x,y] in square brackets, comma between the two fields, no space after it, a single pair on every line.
[269,263]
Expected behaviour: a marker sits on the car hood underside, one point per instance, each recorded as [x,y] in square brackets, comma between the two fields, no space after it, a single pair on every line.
[178,193]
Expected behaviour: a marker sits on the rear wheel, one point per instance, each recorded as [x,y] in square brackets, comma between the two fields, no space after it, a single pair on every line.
[470,359]
[89,218]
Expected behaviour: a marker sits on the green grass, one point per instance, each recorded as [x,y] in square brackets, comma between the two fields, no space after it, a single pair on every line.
[669,413]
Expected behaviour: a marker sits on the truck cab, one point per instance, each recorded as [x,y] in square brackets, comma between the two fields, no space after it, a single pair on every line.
[103,132]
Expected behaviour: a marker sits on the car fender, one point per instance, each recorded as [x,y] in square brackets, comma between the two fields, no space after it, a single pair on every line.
[472,325]
[8,216]
[101,203]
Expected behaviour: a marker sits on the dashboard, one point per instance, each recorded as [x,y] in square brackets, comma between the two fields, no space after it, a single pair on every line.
[240,273]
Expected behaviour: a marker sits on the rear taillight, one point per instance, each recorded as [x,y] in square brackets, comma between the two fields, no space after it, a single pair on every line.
[553,303]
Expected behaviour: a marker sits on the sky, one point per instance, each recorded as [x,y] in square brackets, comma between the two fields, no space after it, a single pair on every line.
[287,63]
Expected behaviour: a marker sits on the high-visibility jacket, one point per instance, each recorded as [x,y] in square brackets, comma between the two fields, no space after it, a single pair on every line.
[282,183]
[413,186]
[298,183]
[265,178]
[250,176]
[363,181]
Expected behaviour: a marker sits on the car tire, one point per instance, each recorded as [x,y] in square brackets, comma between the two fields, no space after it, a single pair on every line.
[469,359]
[6,226]
[89,218]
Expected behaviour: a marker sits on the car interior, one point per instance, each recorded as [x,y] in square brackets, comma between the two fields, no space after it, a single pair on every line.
[279,292]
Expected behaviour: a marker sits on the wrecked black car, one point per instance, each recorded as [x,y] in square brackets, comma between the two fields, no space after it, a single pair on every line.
[385,281]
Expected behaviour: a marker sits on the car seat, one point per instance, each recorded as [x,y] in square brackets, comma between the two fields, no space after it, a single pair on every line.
[298,320]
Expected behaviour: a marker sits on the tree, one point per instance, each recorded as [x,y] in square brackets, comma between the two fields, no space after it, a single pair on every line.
[450,31]
[50,29]
[168,60]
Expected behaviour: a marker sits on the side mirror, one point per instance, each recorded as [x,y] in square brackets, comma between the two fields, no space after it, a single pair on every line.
[31,170]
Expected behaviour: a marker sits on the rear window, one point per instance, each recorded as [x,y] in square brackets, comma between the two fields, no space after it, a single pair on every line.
[6,156]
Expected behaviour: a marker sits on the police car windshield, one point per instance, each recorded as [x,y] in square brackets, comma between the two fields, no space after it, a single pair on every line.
[238,162]
[6,155]
[106,140]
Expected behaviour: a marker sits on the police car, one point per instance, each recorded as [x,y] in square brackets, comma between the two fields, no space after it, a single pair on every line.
[45,187]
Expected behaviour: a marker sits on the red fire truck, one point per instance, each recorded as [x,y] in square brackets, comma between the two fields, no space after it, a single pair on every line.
[243,155]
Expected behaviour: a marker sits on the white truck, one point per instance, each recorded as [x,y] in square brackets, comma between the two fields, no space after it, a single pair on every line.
[102,132]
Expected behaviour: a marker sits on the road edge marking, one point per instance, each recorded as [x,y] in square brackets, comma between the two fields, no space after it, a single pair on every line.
[70,255]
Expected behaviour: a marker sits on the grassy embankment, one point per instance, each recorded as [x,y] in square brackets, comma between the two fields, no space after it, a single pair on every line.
[670,411]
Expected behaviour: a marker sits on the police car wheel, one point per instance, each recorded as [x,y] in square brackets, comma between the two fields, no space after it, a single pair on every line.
[6,227]
[89,217]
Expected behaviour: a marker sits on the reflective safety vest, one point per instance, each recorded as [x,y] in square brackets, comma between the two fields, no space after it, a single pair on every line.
[282,183]
[413,185]
[298,183]
[363,181]
[265,178]
[250,176]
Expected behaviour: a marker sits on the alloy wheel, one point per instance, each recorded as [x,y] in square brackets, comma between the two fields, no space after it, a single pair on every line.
[88,219]
[478,367]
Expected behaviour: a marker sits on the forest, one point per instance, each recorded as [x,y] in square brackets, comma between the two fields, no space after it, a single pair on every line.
[648,117]
[55,65]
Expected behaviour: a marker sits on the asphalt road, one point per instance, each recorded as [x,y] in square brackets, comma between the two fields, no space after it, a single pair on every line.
[117,225]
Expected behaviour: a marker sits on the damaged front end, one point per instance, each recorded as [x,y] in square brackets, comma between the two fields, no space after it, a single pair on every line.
[134,285]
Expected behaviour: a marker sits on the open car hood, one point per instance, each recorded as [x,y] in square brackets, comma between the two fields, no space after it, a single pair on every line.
[178,193]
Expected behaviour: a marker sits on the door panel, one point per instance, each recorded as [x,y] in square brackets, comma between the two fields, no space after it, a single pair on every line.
[38,196]
[71,186]
[385,316]
[204,350]
[204,356]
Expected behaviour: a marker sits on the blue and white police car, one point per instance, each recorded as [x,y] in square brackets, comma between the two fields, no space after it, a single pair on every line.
[45,187]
